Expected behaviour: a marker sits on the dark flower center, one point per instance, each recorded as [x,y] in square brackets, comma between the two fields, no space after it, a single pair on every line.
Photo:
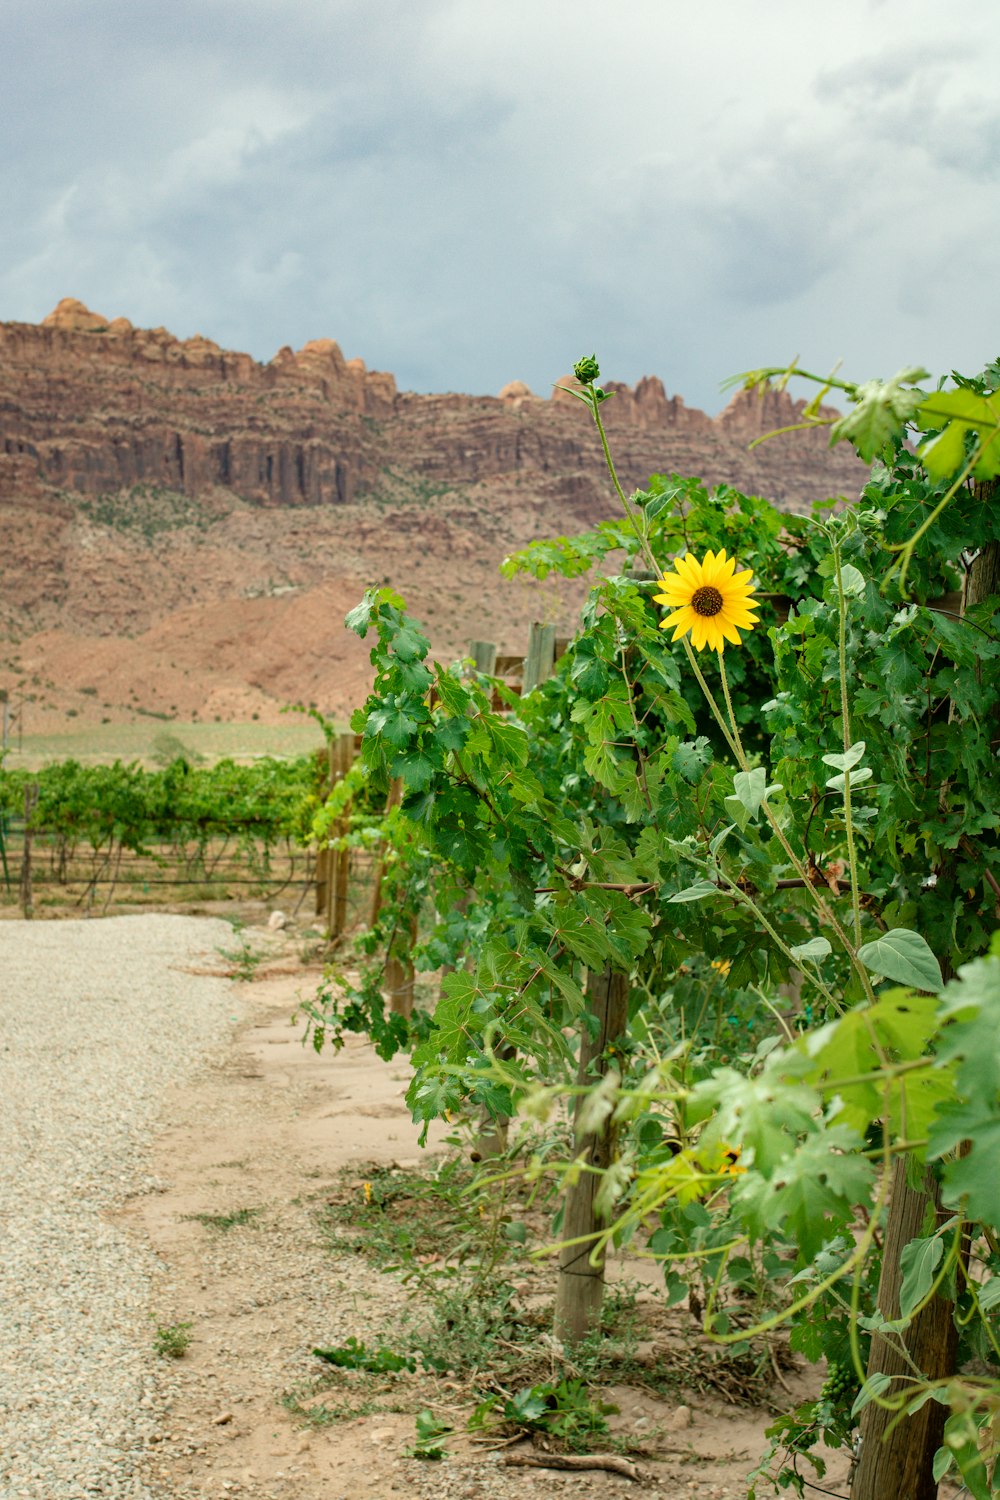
[706,600]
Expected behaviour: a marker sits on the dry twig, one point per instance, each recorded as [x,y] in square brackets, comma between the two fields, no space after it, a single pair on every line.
[609,1461]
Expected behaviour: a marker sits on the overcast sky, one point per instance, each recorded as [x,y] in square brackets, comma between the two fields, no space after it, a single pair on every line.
[466,192]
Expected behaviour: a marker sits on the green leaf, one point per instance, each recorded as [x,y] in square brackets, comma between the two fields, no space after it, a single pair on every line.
[359,618]
[409,643]
[736,810]
[970,1181]
[970,1006]
[852,580]
[961,1435]
[839,783]
[817,947]
[848,760]
[696,892]
[751,788]
[919,1260]
[762,1114]
[417,770]
[692,758]
[943,454]
[943,1460]
[873,1386]
[904,956]
[392,723]
[881,412]
[989,1294]
[812,1192]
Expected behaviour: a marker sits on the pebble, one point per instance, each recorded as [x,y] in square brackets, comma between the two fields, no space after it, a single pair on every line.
[97,1019]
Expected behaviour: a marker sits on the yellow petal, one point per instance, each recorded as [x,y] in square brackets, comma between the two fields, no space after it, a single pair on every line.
[699,632]
[675,587]
[689,569]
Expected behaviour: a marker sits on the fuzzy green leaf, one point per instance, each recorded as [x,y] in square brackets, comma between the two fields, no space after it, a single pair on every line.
[904,956]
[817,947]
[696,892]
[848,760]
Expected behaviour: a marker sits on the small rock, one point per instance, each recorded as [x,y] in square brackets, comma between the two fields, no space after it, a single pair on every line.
[680,1417]
[277,920]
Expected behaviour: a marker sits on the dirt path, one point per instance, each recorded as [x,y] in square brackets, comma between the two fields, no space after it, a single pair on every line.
[270,1131]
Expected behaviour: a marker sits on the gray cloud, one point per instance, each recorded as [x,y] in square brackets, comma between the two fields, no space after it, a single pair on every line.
[465,191]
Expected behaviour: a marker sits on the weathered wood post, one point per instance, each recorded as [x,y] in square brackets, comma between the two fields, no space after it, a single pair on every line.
[484,656]
[580,1290]
[398,972]
[323,860]
[26,897]
[491,1138]
[333,866]
[398,977]
[339,869]
[540,656]
[897,1456]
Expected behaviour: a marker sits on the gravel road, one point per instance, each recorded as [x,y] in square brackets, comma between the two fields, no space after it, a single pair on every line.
[97,1020]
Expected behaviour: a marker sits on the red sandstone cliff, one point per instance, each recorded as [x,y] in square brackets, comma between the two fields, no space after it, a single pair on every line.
[182,528]
[91,405]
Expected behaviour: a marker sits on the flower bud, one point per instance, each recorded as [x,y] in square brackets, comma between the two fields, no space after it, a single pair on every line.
[587,369]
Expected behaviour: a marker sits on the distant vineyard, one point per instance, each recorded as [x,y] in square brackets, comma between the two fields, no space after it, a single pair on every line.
[213,831]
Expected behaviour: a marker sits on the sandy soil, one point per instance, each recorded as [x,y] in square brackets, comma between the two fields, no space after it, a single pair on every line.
[274,1129]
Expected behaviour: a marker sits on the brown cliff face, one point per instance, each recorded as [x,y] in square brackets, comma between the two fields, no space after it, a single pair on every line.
[143,477]
[92,405]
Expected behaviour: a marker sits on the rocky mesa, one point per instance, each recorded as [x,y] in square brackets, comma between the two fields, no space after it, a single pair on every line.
[182,527]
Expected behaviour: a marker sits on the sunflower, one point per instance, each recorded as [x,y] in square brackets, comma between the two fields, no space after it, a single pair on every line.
[709,599]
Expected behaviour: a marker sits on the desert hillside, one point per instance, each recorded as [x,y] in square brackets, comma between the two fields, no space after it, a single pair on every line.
[182,529]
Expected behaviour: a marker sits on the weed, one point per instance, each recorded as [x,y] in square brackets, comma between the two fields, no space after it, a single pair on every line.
[357,1356]
[563,1410]
[430,1437]
[224,1222]
[243,961]
[298,1403]
[172,1340]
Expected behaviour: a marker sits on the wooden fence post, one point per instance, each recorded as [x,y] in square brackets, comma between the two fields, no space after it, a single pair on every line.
[339,869]
[398,973]
[484,656]
[897,1457]
[323,854]
[540,656]
[30,803]
[394,798]
[398,976]
[333,866]
[580,1289]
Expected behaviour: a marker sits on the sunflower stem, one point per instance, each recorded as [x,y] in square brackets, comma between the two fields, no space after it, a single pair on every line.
[822,907]
[740,753]
[640,531]
[807,971]
[715,709]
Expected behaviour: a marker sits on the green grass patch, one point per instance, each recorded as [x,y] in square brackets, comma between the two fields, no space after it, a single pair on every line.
[222,1223]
